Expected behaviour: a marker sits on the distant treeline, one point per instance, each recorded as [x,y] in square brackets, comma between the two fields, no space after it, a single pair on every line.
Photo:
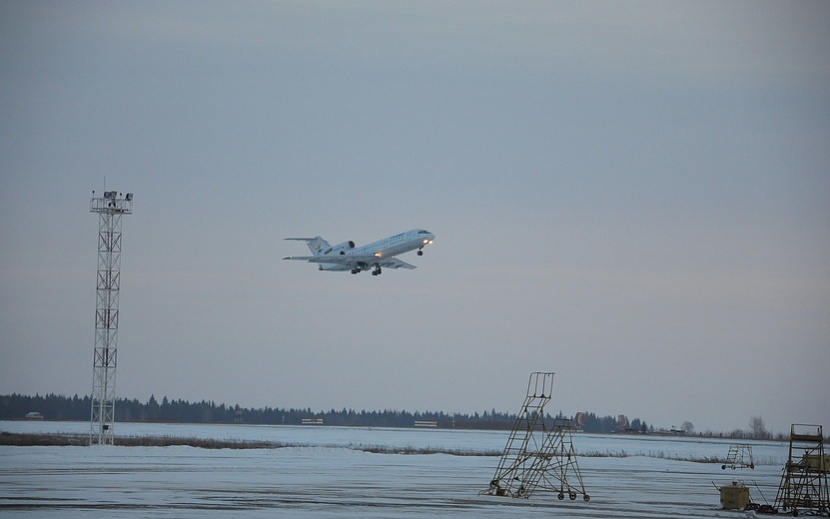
[59,407]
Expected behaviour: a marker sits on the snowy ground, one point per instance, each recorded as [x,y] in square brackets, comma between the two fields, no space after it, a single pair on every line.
[326,473]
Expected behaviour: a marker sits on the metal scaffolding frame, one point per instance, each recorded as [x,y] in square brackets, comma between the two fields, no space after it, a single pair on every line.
[110,208]
[803,487]
[739,457]
[538,457]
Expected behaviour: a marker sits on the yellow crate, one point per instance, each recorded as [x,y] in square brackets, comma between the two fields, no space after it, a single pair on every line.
[815,463]
[734,496]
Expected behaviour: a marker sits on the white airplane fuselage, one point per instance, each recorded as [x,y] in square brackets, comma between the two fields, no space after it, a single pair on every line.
[347,257]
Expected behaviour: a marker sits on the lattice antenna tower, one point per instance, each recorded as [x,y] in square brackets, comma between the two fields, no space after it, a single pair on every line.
[110,208]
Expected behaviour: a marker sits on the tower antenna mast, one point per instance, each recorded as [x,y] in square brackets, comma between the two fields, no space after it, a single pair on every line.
[110,208]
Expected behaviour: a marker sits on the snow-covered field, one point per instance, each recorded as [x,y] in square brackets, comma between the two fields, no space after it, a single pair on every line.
[330,472]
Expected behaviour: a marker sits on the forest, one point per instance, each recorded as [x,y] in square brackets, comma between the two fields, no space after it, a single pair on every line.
[63,408]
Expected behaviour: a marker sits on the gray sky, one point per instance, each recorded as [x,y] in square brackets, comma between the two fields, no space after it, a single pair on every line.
[631,194]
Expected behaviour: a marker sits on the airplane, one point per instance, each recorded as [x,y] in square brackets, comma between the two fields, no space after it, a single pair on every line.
[375,255]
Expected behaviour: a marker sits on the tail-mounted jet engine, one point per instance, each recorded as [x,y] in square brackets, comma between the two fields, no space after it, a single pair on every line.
[341,248]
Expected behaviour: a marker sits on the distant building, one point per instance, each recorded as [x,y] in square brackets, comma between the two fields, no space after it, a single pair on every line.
[34,415]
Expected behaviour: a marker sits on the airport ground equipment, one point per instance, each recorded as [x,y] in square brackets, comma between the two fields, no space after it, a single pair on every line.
[734,496]
[110,208]
[803,489]
[739,457]
[539,454]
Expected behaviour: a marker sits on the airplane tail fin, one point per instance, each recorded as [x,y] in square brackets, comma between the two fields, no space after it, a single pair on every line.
[316,245]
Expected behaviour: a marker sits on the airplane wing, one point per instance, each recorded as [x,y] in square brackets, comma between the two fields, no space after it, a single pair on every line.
[395,263]
[353,260]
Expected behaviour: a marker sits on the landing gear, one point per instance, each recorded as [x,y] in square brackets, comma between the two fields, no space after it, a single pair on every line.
[421,251]
[360,267]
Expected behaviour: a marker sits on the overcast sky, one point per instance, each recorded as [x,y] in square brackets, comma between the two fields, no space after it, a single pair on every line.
[634,195]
